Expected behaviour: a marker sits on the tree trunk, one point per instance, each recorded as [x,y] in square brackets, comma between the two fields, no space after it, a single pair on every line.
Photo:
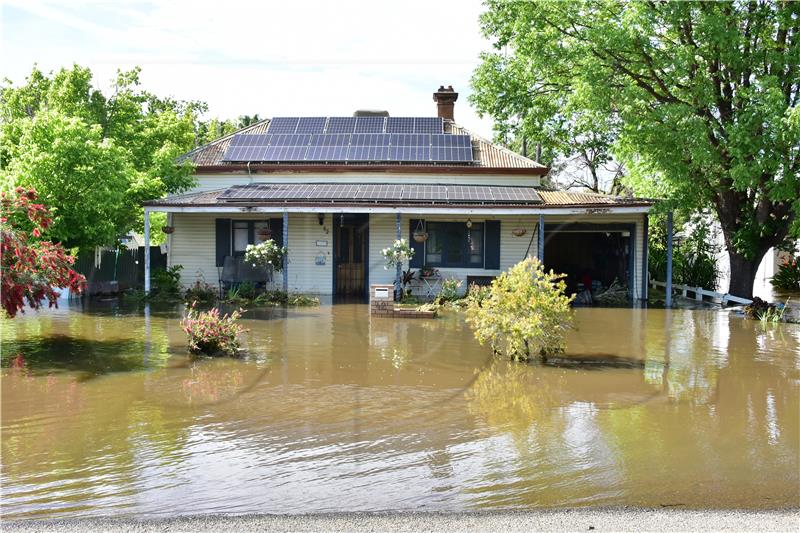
[743,273]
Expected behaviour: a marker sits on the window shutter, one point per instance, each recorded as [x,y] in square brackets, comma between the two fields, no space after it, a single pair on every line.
[492,258]
[276,225]
[418,261]
[223,240]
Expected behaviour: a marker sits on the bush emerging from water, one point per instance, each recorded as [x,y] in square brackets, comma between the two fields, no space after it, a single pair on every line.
[788,276]
[524,313]
[212,334]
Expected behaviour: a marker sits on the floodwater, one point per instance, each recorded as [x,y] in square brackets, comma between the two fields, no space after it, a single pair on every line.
[331,410]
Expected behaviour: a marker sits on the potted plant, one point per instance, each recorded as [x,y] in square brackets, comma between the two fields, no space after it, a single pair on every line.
[428,272]
[397,254]
[420,235]
[264,233]
[168,229]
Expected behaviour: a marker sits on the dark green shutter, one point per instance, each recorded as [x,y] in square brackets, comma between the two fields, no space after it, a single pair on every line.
[223,240]
[418,261]
[276,225]
[492,258]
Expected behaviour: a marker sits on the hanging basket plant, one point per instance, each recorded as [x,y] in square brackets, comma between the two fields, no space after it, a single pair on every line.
[264,233]
[519,232]
[420,235]
[168,229]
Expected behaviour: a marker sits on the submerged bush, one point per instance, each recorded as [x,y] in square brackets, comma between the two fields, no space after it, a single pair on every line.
[202,293]
[524,313]
[168,282]
[449,290]
[212,334]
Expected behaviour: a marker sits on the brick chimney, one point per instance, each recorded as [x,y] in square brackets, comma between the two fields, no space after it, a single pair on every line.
[445,99]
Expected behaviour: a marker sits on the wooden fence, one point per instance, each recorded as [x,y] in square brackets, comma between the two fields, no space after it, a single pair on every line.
[699,293]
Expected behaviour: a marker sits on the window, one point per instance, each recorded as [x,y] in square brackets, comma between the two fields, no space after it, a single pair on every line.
[246,232]
[453,244]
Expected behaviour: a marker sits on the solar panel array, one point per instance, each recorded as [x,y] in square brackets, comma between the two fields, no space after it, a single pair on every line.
[356,125]
[382,193]
[347,146]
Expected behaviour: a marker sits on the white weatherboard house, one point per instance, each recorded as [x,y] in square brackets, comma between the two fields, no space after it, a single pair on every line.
[337,190]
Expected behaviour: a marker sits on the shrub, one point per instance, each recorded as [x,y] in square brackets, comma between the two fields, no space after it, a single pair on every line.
[246,290]
[212,334]
[31,268]
[278,298]
[397,254]
[265,254]
[201,292]
[694,261]
[449,290]
[524,313]
[168,281]
[788,276]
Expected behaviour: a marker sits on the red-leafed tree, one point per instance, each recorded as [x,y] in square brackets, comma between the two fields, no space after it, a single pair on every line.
[31,269]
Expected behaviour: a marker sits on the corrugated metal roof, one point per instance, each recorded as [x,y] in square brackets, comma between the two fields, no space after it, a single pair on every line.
[553,197]
[486,153]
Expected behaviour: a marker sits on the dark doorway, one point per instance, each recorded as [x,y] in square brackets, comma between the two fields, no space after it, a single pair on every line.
[591,260]
[350,243]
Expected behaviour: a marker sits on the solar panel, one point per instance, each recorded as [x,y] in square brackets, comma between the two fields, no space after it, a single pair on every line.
[250,140]
[428,125]
[394,192]
[285,153]
[453,148]
[311,124]
[370,124]
[370,139]
[341,125]
[400,125]
[368,153]
[290,140]
[328,148]
[283,124]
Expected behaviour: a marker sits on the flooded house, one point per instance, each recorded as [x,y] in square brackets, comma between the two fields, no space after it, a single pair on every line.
[337,190]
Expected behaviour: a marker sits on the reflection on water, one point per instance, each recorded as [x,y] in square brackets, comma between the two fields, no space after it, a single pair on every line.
[333,410]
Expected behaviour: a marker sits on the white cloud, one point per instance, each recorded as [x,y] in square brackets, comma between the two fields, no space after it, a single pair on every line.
[271,58]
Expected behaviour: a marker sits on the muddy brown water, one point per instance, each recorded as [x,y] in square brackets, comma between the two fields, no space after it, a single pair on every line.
[332,410]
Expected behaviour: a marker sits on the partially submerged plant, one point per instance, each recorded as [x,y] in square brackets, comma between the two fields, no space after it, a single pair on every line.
[788,276]
[212,334]
[449,290]
[525,312]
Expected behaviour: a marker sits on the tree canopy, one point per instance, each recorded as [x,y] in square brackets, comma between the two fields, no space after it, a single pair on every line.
[92,157]
[698,99]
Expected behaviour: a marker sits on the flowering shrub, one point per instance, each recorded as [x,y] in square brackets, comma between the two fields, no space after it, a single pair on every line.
[265,254]
[449,291]
[201,292]
[31,270]
[397,254]
[524,313]
[788,276]
[212,334]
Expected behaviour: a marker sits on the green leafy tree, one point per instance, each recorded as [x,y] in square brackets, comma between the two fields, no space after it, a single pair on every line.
[93,158]
[700,97]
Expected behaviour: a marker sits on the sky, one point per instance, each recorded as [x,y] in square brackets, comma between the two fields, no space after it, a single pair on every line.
[274,58]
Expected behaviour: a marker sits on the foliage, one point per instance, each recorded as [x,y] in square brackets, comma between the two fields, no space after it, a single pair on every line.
[210,130]
[477,294]
[212,334]
[449,290]
[694,260]
[525,312]
[397,254]
[30,269]
[700,100]
[93,157]
[201,293]
[247,290]
[168,282]
[265,254]
[765,311]
[788,275]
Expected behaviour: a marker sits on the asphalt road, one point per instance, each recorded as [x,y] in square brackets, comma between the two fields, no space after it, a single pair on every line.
[556,520]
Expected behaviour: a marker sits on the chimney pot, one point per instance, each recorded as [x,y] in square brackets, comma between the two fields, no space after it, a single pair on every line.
[445,101]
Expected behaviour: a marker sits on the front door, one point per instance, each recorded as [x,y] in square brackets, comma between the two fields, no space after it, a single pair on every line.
[350,258]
